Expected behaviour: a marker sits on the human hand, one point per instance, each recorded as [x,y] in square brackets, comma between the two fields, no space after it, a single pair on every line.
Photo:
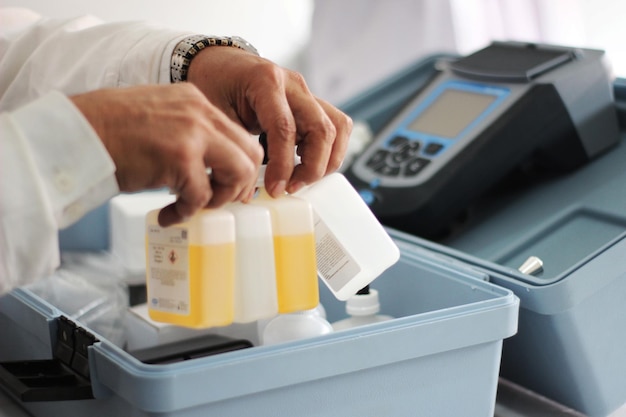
[167,136]
[263,97]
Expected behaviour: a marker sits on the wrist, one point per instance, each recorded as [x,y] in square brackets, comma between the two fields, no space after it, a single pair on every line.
[187,49]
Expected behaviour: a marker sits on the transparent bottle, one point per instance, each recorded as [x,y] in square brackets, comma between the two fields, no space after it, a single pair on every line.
[294,251]
[352,247]
[255,273]
[190,269]
[363,309]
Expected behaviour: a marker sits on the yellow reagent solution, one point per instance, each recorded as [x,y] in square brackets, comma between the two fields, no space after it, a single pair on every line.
[294,251]
[191,269]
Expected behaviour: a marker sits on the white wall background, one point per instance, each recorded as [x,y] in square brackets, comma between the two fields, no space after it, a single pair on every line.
[282,29]
[278,28]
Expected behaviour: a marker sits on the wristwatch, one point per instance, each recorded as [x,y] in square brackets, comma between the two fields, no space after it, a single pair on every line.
[189,47]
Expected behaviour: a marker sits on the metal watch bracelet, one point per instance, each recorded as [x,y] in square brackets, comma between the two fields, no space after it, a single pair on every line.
[189,47]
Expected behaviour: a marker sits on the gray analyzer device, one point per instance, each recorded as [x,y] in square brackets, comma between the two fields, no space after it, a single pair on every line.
[482,116]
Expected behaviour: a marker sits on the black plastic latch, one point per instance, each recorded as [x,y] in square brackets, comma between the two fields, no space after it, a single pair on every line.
[62,378]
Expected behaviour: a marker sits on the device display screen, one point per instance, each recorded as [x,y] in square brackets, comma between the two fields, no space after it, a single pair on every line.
[451,112]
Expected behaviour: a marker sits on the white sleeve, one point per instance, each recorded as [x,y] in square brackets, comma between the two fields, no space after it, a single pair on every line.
[53,166]
[54,169]
[80,54]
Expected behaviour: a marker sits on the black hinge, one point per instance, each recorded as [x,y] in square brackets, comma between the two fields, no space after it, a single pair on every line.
[62,378]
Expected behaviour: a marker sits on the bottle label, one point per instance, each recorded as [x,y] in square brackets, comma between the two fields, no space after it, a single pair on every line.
[334,263]
[168,263]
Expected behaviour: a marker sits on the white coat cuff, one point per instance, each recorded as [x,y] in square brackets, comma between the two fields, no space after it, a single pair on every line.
[77,172]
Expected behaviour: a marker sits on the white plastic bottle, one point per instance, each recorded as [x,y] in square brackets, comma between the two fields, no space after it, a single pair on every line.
[319,310]
[363,309]
[352,247]
[190,269]
[255,273]
[295,326]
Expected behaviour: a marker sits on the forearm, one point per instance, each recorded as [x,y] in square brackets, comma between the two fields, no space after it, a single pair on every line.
[79,55]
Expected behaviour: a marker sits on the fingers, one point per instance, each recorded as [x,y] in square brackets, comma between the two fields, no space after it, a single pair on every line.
[343,126]
[297,122]
[192,195]
[233,157]
[281,134]
[322,146]
[233,176]
[234,166]
[167,136]
[263,97]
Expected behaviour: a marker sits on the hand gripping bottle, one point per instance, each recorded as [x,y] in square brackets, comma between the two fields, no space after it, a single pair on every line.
[190,269]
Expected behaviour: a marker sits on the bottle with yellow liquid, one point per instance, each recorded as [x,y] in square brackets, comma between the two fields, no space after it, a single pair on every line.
[294,251]
[190,269]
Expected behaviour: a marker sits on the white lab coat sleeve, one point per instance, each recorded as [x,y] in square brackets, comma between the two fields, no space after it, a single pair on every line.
[54,169]
[53,166]
[80,54]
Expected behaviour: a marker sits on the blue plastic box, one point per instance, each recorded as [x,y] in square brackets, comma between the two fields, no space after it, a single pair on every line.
[440,356]
[571,343]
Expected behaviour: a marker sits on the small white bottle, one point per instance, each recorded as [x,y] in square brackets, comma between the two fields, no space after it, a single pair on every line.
[260,324]
[255,272]
[295,326]
[352,247]
[363,309]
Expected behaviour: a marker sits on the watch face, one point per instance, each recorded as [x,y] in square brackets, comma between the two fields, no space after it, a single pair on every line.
[241,43]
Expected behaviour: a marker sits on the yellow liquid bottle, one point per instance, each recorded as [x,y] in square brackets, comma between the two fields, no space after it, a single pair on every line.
[190,269]
[294,251]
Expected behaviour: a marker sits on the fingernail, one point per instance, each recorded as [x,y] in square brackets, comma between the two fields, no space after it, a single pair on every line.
[296,186]
[279,188]
[249,196]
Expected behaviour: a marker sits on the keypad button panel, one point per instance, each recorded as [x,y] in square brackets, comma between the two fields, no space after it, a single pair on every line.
[402,157]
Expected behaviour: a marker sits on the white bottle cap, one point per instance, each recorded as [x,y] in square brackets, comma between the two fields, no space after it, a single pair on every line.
[250,220]
[211,226]
[363,304]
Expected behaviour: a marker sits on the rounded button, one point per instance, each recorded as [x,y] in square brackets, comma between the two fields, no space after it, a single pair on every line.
[432,149]
[415,166]
[64,182]
[398,141]
[405,152]
[377,159]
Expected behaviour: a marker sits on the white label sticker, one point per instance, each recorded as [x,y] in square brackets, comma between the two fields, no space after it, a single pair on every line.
[334,263]
[168,269]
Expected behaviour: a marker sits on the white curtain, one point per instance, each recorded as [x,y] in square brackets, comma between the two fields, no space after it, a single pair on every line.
[356,43]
